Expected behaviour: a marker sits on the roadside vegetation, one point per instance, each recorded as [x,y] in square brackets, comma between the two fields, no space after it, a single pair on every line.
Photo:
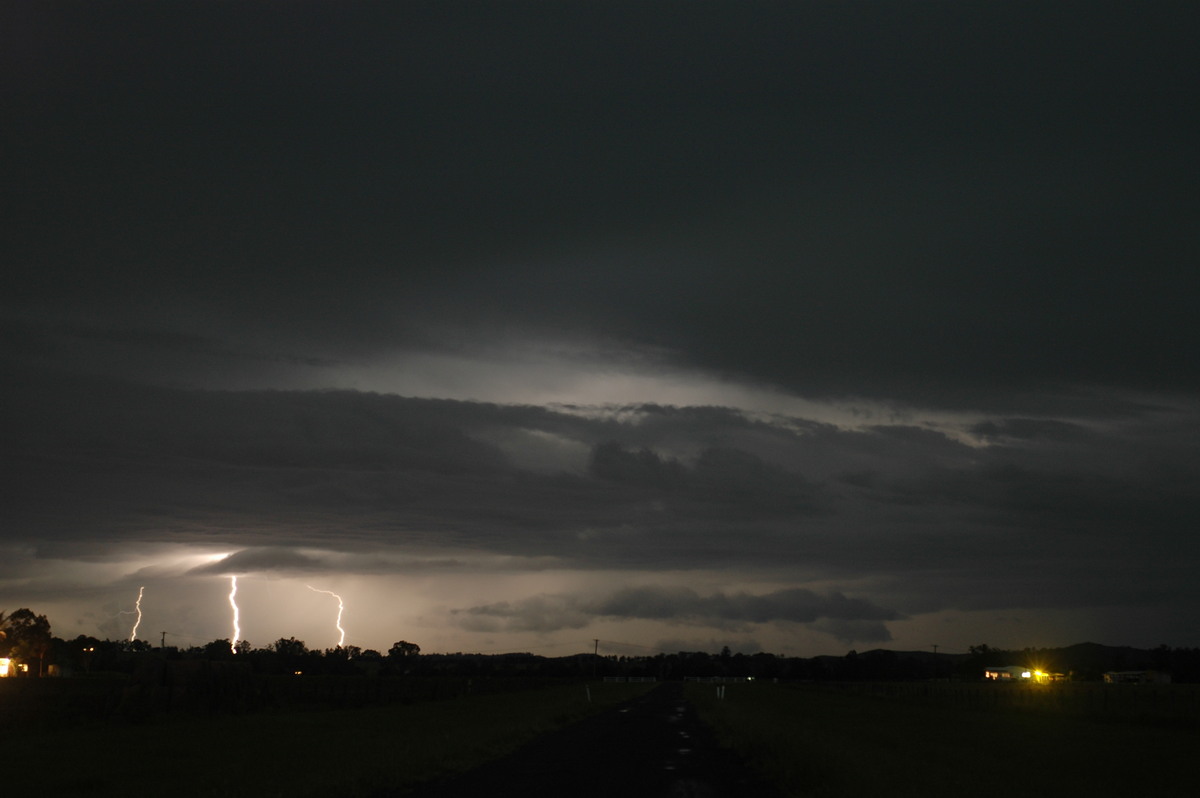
[820,741]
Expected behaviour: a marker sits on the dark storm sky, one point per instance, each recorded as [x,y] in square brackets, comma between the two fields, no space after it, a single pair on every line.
[769,323]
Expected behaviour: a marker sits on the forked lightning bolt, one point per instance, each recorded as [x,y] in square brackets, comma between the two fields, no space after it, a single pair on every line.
[138,608]
[341,609]
[237,630]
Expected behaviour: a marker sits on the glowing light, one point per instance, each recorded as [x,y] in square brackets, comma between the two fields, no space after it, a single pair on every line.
[341,609]
[138,608]
[237,630]
[1043,677]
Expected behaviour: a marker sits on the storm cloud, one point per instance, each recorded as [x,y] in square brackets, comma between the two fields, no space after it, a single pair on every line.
[793,324]
[832,612]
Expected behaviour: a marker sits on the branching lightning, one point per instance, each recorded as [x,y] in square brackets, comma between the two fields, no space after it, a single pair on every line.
[237,630]
[138,608]
[341,609]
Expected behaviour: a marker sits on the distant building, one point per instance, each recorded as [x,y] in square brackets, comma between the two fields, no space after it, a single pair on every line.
[1020,673]
[10,667]
[1137,677]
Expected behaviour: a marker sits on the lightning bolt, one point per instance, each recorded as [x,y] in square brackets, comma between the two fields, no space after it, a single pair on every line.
[341,609]
[237,630]
[138,608]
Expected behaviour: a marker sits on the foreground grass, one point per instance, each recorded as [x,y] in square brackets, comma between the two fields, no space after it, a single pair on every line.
[303,753]
[821,744]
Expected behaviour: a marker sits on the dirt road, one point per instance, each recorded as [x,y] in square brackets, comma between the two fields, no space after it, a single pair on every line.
[654,746]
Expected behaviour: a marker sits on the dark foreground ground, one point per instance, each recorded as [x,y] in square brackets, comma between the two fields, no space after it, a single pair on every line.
[652,746]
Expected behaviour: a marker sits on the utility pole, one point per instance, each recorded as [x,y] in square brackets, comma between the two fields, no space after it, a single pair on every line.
[164,640]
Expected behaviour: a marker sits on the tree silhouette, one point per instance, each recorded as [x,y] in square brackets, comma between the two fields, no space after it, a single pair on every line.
[403,650]
[218,649]
[27,637]
[289,647]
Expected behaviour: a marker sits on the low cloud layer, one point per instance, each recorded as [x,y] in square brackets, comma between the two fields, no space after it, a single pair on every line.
[845,618]
[790,323]
[909,518]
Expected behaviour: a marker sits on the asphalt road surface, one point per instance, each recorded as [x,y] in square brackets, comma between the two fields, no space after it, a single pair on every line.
[654,746]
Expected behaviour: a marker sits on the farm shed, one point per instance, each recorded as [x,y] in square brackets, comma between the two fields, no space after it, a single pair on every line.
[1137,677]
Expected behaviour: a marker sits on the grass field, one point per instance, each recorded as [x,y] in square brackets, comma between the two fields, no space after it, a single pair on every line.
[345,752]
[818,742]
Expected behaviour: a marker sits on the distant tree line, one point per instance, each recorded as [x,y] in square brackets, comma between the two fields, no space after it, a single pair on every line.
[89,655]
[26,637]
